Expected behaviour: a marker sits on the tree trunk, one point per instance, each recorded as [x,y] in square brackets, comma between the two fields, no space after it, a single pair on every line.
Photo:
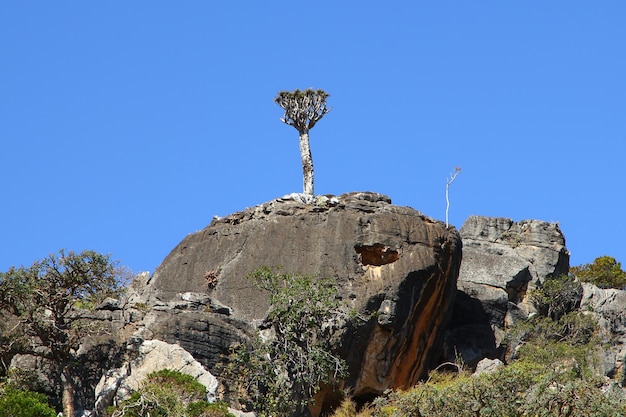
[67,384]
[307,163]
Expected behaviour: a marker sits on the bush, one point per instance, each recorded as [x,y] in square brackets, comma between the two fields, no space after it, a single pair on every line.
[604,272]
[167,393]
[280,374]
[18,403]
[520,389]
[557,296]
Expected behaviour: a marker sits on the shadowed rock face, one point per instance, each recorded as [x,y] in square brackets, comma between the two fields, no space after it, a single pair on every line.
[502,259]
[388,260]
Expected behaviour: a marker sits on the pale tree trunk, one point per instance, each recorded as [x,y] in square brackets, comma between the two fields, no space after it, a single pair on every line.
[307,163]
[67,384]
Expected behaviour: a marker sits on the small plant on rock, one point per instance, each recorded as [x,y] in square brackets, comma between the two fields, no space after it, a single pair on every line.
[211,278]
[557,296]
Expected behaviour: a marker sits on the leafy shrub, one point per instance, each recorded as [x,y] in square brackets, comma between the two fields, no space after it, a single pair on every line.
[523,388]
[19,403]
[280,374]
[604,272]
[557,296]
[167,393]
[205,409]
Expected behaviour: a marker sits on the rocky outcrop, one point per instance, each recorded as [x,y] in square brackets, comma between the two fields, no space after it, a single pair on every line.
[390,262]
[394,266]
[502,259]
[609,306]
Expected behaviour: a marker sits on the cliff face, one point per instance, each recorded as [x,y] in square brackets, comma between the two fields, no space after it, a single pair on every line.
[502,260]
[388,260]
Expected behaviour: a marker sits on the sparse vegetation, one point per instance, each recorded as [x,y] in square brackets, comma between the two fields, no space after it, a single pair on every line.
[552,371]
[557,296]
[449,181]
[211,278]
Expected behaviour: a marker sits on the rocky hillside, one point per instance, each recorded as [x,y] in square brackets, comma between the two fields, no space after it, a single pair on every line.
[431,293]
[388,260]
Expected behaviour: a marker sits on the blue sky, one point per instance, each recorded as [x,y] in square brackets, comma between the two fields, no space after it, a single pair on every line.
[125,126]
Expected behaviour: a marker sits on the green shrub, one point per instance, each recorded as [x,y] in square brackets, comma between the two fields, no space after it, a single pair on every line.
[18,403]
[168,393]
[604,272]
[557,296]
[205,409]
[522,389]
[280,375]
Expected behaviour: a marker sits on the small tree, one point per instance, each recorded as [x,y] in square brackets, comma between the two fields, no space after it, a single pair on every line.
[45,299]
[283,372]
[604,272]
[303,109]
[557,296]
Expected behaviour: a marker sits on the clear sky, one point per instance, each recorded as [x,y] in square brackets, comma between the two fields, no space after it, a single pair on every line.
[126,125]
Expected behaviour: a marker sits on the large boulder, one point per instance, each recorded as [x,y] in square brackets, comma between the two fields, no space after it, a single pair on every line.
[502,260]
[390,262]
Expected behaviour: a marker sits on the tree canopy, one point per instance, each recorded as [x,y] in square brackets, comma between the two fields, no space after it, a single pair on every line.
[303,108]
[44,303]
[604,272]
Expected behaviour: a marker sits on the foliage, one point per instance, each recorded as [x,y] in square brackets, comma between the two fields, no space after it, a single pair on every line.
[494,394]
[604,272]
[20,403]
[168,393]
[303,109]
[348,408]
[281,373]
[44,301]
[557,296]
[520,389]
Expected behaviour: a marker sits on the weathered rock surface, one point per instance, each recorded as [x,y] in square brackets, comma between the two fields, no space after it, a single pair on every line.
[609,305]
[502,259]
[151,356]
[387,259]
[393,265]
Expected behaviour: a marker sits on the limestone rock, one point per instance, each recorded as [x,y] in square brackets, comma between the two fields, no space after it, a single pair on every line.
[388,260]
[152,355]
[502,259]
[610,307]
[488,366]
